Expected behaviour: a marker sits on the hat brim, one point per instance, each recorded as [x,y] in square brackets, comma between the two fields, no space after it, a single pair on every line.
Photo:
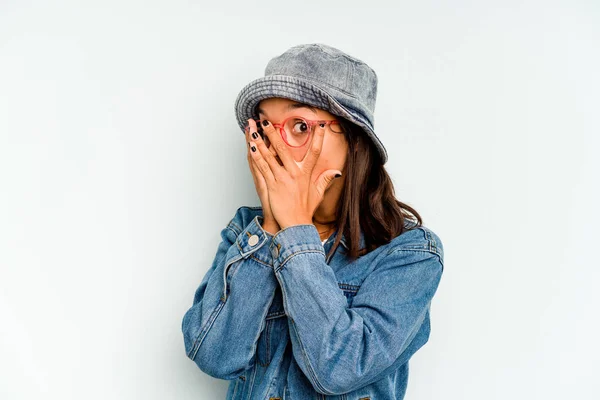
[301,90]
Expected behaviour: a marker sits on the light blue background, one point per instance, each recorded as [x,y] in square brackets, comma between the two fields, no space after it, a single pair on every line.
[121,161]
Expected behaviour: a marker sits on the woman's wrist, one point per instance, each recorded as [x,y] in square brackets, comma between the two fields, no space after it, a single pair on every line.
[271,226]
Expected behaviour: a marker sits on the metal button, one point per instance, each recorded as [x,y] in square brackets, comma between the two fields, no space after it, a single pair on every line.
[276,251]
[253,240]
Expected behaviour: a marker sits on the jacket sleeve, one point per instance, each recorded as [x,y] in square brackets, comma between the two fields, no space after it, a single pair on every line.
[341,348]
[222,327]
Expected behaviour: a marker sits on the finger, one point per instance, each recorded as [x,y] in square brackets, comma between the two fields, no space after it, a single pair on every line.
[312,155]
[248,155]
[268,143]
[258,151]
[272,149]
[281,148]
[275,169]
[266,140]
[253,170]
[260,179]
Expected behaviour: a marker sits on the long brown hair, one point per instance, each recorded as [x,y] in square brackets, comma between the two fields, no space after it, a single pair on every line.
[368,200]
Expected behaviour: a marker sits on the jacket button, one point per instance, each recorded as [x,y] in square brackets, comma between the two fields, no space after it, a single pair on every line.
[253,240]
[275,252]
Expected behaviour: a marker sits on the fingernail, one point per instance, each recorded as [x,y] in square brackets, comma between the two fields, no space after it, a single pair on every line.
[337,175]
[253,148]
[265,122]
[254,135]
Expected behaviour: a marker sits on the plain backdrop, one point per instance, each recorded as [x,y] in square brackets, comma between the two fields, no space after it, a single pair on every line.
[121,161]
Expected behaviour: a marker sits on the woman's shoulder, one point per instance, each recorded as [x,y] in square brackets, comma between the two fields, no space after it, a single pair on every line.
[243,216]
[417,238]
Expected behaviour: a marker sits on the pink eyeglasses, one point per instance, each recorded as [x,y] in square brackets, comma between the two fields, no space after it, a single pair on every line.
[296,131]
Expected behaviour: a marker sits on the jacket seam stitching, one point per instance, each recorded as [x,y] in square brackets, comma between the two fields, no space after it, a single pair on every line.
[282,264]
[253,257]
[311,369]
[233,225]
[423,250]
[204,331]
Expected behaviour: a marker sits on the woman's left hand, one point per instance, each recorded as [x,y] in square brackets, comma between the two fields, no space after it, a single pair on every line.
[292,195]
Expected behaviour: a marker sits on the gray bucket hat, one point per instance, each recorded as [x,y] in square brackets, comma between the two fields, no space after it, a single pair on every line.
[320,76]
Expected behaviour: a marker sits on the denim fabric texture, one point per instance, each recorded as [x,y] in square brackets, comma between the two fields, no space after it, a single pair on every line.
[321,76]
[279,320]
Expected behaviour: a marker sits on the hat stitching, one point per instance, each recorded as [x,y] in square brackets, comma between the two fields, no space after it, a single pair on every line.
[312,81]
[294,86]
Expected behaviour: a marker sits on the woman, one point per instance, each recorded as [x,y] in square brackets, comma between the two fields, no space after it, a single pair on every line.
[285,312]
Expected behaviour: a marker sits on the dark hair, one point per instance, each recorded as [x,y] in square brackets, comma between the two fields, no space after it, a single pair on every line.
[368,200]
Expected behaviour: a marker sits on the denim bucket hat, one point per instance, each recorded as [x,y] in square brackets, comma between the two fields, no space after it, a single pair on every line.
[320,76]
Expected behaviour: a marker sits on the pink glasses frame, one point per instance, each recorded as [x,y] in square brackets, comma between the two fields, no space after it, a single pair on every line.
[311,123]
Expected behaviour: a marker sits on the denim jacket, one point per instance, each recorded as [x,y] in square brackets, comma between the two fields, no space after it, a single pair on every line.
[280,320]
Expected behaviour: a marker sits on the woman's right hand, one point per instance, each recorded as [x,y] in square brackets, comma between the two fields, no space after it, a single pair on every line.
[269,223]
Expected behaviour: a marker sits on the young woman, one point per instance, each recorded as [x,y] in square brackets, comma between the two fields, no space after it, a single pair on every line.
[323,292]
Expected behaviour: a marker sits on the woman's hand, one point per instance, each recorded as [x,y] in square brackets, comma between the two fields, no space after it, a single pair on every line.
[292,195]
[269,223]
